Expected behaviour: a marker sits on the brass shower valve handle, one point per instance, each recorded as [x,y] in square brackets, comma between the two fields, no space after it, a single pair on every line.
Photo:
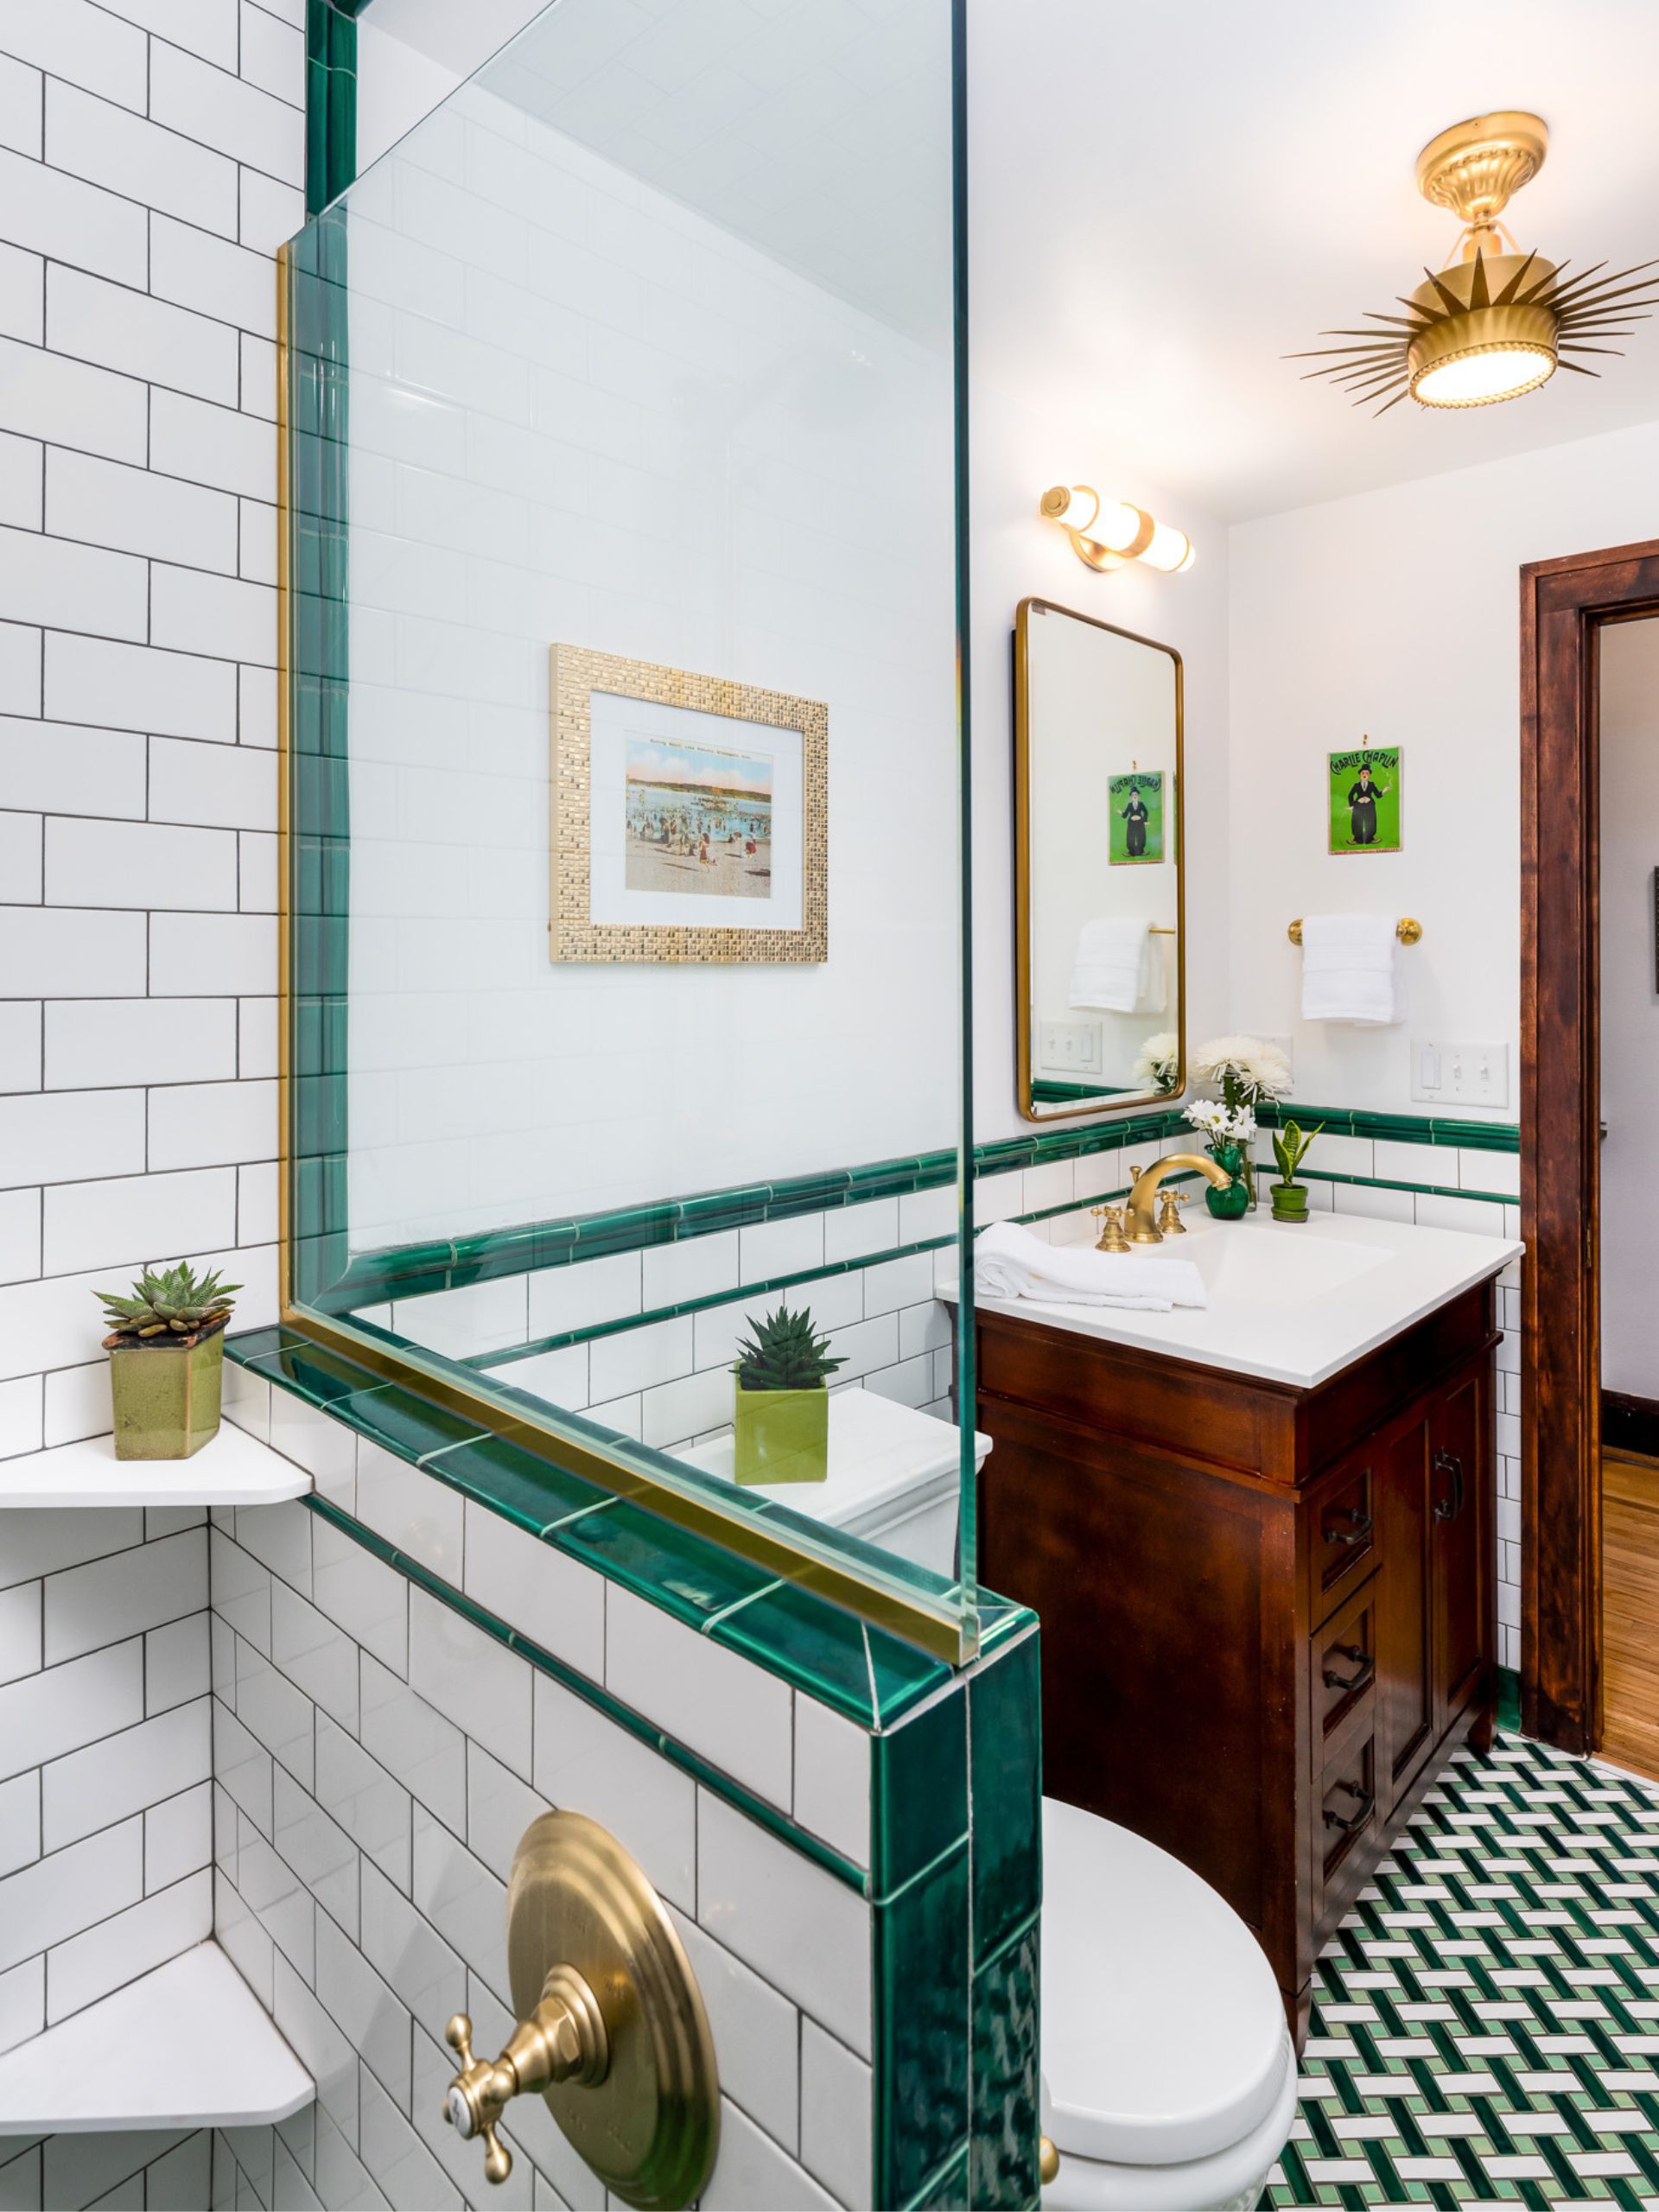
[563,2040]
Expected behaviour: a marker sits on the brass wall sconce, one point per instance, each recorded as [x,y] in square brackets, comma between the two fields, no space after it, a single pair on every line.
[611,2032]
[1110,533]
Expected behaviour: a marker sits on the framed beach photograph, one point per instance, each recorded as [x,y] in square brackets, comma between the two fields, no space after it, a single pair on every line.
[1136,821]
[1363,798]
[690,815]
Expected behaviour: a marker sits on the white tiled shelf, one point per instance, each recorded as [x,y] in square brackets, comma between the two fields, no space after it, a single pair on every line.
[235,1468]
[187,2045]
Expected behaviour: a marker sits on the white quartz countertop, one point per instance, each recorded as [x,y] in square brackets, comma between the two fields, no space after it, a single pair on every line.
[235,1468]
[1290,1302]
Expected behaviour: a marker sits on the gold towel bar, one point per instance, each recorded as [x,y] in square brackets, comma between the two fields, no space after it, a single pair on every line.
[1406,930]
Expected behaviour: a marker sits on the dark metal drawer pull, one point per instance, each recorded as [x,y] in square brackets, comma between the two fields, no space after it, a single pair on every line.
[1448,1463]
[1358,1531]
[1364,1667]
[1349,1822]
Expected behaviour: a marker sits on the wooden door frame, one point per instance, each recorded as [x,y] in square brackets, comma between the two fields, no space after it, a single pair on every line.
[1565,604]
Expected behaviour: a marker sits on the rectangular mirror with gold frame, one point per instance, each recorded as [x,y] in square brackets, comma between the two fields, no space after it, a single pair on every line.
[1098,947]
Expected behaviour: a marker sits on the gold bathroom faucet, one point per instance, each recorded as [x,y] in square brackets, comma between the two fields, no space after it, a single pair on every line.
[1142,1230]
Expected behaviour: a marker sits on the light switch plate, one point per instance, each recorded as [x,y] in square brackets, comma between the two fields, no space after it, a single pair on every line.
[1459,1075]
[1069,1047]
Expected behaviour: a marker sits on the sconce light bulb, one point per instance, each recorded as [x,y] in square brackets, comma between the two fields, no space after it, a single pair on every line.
[1169,550]
[1117,525]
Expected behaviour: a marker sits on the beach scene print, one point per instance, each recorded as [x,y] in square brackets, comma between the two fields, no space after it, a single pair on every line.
[698,819]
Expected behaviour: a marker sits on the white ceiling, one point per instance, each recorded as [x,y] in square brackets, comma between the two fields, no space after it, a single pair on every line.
[1165,199]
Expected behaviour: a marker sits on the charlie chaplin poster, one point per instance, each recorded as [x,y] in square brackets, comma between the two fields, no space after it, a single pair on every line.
[1364,800]
[1137,818]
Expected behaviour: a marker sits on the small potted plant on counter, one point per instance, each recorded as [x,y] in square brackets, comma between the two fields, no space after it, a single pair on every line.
[1290,1147]
[782,1401]
[166,1359]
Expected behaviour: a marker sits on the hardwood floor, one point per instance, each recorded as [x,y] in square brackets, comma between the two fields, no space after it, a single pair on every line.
[1630,1553]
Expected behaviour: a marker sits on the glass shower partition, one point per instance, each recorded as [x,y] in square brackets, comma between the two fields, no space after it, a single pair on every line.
[625,860]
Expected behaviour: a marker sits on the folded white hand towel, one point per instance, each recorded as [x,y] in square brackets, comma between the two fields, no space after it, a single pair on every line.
[1351,970]
[1112,968]
[1010,1263]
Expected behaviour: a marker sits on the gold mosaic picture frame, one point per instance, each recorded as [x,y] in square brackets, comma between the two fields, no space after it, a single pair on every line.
[577,673]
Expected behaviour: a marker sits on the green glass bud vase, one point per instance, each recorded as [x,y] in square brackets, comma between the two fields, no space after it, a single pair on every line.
[1234,1200]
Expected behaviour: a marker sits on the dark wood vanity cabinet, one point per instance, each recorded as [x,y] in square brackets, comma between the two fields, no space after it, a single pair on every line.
[1268,1614]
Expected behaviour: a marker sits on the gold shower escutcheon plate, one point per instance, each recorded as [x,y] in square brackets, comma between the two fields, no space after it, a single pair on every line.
[650,2128]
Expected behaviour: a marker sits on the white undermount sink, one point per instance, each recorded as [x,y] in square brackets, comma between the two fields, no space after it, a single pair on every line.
[1289,1302]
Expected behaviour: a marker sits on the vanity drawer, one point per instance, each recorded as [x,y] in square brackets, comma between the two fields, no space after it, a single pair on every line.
[1344,1543]
[1344,1798]
[1345,1666]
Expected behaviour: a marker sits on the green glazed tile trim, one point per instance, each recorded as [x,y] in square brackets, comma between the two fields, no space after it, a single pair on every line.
[413,1270]
[330,99]
[922,1991]
[642,1730]
[822,1648]
[1402,1128]
[1509,1701]
[1007,2095]
[1387,1182]
[919,1792]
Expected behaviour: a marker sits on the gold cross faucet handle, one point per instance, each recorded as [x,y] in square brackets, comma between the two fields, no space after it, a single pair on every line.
[1169,1218]
[1111,1238]
[563,2040]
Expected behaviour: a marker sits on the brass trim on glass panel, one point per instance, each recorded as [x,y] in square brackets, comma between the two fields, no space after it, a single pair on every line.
[284,769]
[943,1632]
[1117,1102]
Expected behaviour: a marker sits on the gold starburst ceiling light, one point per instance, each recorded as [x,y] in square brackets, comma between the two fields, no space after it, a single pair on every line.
[1495,322]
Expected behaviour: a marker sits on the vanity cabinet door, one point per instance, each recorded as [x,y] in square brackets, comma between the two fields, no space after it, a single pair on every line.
[1405,1628]
[1459,1489]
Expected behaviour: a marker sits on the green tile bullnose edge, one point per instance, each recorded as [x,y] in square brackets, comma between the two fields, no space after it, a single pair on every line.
[827,1652]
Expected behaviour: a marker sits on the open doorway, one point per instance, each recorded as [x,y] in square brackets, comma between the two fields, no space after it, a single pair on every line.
[1627,678]
[1575,613]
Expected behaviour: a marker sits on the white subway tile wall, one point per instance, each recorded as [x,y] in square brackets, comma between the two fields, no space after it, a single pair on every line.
[137,800]
[137,779]
[375,1764]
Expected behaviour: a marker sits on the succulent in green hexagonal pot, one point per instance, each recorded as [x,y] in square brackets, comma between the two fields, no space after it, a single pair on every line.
[167,1361]
[781,1409]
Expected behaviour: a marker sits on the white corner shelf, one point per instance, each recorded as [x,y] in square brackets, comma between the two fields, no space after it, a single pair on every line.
[235,1468]
[185,2045]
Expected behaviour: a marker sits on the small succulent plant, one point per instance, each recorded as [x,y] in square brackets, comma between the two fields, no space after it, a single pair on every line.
[1290,1149]
[175,1302]
[783,1354]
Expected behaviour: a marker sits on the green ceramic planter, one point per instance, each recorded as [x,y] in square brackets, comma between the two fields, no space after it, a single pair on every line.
[1289,1201]
[783,1436]
[166,1394]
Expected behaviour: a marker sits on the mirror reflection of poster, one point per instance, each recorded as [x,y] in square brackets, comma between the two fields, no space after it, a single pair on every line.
[1364,798]
[1137,800]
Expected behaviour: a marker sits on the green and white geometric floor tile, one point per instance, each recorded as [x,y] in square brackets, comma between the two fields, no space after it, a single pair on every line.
[1485,2025]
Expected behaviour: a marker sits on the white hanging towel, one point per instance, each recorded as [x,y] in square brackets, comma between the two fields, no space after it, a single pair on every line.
[1115,969]
[1010,1263]
[1351,970]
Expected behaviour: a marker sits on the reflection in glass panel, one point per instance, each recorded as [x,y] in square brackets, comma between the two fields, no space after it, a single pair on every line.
[623,396]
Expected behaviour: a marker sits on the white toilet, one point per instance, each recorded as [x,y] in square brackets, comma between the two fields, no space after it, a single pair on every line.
[1169,2079]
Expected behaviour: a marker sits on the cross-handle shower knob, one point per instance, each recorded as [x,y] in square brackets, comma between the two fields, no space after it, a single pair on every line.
[563,2040]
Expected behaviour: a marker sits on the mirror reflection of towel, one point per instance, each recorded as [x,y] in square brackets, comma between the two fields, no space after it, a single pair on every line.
[1115,969]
